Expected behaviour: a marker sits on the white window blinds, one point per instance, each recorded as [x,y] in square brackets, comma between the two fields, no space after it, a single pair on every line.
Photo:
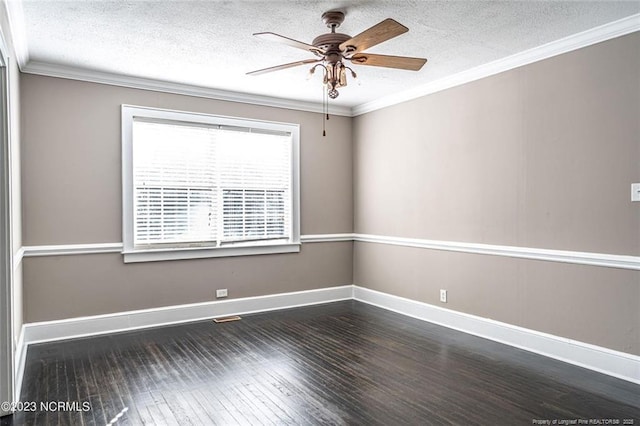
[204,185]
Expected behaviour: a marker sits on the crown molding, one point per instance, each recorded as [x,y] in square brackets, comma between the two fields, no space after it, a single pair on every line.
[17,30]
[573,42]
[82,74]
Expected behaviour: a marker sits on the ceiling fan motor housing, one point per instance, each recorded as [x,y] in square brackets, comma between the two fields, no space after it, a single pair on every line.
[330,42]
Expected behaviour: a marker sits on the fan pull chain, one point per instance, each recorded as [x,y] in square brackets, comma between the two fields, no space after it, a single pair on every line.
[325,110]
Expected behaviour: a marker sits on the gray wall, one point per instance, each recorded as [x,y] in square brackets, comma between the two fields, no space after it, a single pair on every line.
[71,158]
[541,156]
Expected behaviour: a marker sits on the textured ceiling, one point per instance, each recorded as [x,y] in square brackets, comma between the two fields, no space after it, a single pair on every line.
[210,43]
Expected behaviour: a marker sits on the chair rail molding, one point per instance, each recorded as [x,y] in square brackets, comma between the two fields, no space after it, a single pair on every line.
[563,256]
[551,255]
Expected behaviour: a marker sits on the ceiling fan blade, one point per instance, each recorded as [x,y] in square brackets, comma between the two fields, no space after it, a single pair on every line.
[288,41]
[380,32]
[401,62]
[284,66]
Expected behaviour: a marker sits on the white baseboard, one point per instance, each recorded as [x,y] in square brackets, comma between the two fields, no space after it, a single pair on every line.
[618,364]
[47,331]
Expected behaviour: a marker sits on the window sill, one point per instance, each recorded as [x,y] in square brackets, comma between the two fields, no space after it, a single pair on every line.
[158,255]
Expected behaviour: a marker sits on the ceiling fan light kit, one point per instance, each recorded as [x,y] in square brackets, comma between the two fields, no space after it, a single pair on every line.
[334,49]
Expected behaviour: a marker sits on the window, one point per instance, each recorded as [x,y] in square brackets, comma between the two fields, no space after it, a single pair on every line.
[197,185]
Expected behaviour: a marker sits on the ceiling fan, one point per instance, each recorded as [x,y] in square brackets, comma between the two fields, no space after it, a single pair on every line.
[333,49]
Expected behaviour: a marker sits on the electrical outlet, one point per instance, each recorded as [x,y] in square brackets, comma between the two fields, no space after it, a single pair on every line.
[443,296]
[635,192]
[221,293]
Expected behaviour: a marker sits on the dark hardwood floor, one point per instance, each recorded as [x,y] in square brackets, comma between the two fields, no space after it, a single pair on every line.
[340,363]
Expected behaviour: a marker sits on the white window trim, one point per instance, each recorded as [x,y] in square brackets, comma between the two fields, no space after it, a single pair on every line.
[132,254]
